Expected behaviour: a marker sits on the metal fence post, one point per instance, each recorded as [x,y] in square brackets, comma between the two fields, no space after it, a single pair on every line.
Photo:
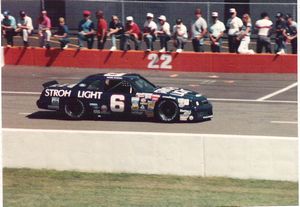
[123,11]
[42,4]
[208,13]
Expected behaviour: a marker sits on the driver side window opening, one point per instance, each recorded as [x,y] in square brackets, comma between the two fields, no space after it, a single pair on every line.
[118,86]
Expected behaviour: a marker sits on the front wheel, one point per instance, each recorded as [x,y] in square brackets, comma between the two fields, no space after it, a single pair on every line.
[167,111]
[74,109]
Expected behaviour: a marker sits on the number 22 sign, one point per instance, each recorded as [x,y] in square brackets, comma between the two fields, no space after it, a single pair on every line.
[165,59]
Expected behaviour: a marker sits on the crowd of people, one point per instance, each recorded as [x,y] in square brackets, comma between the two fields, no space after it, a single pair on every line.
[238,31]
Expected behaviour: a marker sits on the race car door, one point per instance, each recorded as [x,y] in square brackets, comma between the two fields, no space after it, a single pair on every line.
[117,95]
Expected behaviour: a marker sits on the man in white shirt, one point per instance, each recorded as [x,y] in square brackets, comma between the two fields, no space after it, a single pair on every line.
[163,32]
[216,32]
[180,35]
[24,27]
[199,30]
[149,31]
[234,25]
[264,26]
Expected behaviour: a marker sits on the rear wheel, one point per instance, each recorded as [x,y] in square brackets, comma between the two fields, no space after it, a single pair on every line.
[167,111]
[74,109]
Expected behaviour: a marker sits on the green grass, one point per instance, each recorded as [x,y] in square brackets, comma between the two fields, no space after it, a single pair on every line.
[49,188]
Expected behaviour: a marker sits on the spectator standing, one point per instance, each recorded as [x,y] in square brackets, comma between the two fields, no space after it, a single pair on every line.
[116,30]
[62,33]
[216,32]
[163,32]
[180,35]
[86,30]
[290,32]
[244,36]
[264,26]
[24,27]
[102,29]
[133,33]
[44,30]
[280,26]
[8,25]
[234,25]
[199,30]
[150,28]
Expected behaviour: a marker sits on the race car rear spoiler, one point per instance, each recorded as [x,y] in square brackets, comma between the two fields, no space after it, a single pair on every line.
[50,83]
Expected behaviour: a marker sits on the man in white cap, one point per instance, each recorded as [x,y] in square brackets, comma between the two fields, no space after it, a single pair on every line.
[234,25]
[133,33]
[149,31]
[216,32]
[25,27]
[163,32]
[8,25]
[199,30]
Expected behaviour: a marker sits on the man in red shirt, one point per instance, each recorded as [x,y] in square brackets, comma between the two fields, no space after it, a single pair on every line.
[102,29]
[133,33]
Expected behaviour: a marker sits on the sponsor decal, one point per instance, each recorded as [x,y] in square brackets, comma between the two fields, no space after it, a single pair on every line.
[151,105]
[142,107]
[155,97]
[89,94]
[135,103]
[184,114]
[165,90]
[55,101]
[179,92]
[198,95]
[97,111]
[114,74]
[57,93]
[140,95]
[104,108]
[183,102]
[169,97]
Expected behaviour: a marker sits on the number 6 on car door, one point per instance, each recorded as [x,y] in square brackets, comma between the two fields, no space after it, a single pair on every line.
[117,103]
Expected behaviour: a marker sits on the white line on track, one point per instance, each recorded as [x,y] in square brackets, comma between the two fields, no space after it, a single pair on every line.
[24,113]
[210,99]
[146,133]
[284,122]
[278,92]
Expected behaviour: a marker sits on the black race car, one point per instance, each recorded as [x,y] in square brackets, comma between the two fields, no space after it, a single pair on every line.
[119,93]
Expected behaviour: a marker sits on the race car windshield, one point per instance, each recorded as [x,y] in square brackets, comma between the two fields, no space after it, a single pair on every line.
[142,85]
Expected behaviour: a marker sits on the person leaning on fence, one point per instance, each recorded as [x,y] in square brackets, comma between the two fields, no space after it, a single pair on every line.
[44,30]
[290,32]
[133,33]
[280,46]
[244,36]
[234,25]
[8,25]
[116,30]
[101,29]
[180,35]
[62,33]
[24,27]
[264,28]
[216,32]
[199,30]
[163,32]
[150,28]
[86,30]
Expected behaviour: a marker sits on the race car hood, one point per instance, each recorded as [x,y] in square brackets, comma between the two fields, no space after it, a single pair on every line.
[179,93]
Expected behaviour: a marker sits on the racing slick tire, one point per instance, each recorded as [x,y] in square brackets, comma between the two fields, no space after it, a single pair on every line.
[167,111]
[74,109]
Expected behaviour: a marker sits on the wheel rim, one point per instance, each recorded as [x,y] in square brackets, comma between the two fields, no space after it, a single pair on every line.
[74,109]
[168,110]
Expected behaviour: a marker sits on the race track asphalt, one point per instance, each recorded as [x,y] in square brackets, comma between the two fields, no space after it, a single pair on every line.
[237,110]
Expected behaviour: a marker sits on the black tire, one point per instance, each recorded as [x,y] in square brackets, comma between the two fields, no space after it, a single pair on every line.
[167,111]
[74,109]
